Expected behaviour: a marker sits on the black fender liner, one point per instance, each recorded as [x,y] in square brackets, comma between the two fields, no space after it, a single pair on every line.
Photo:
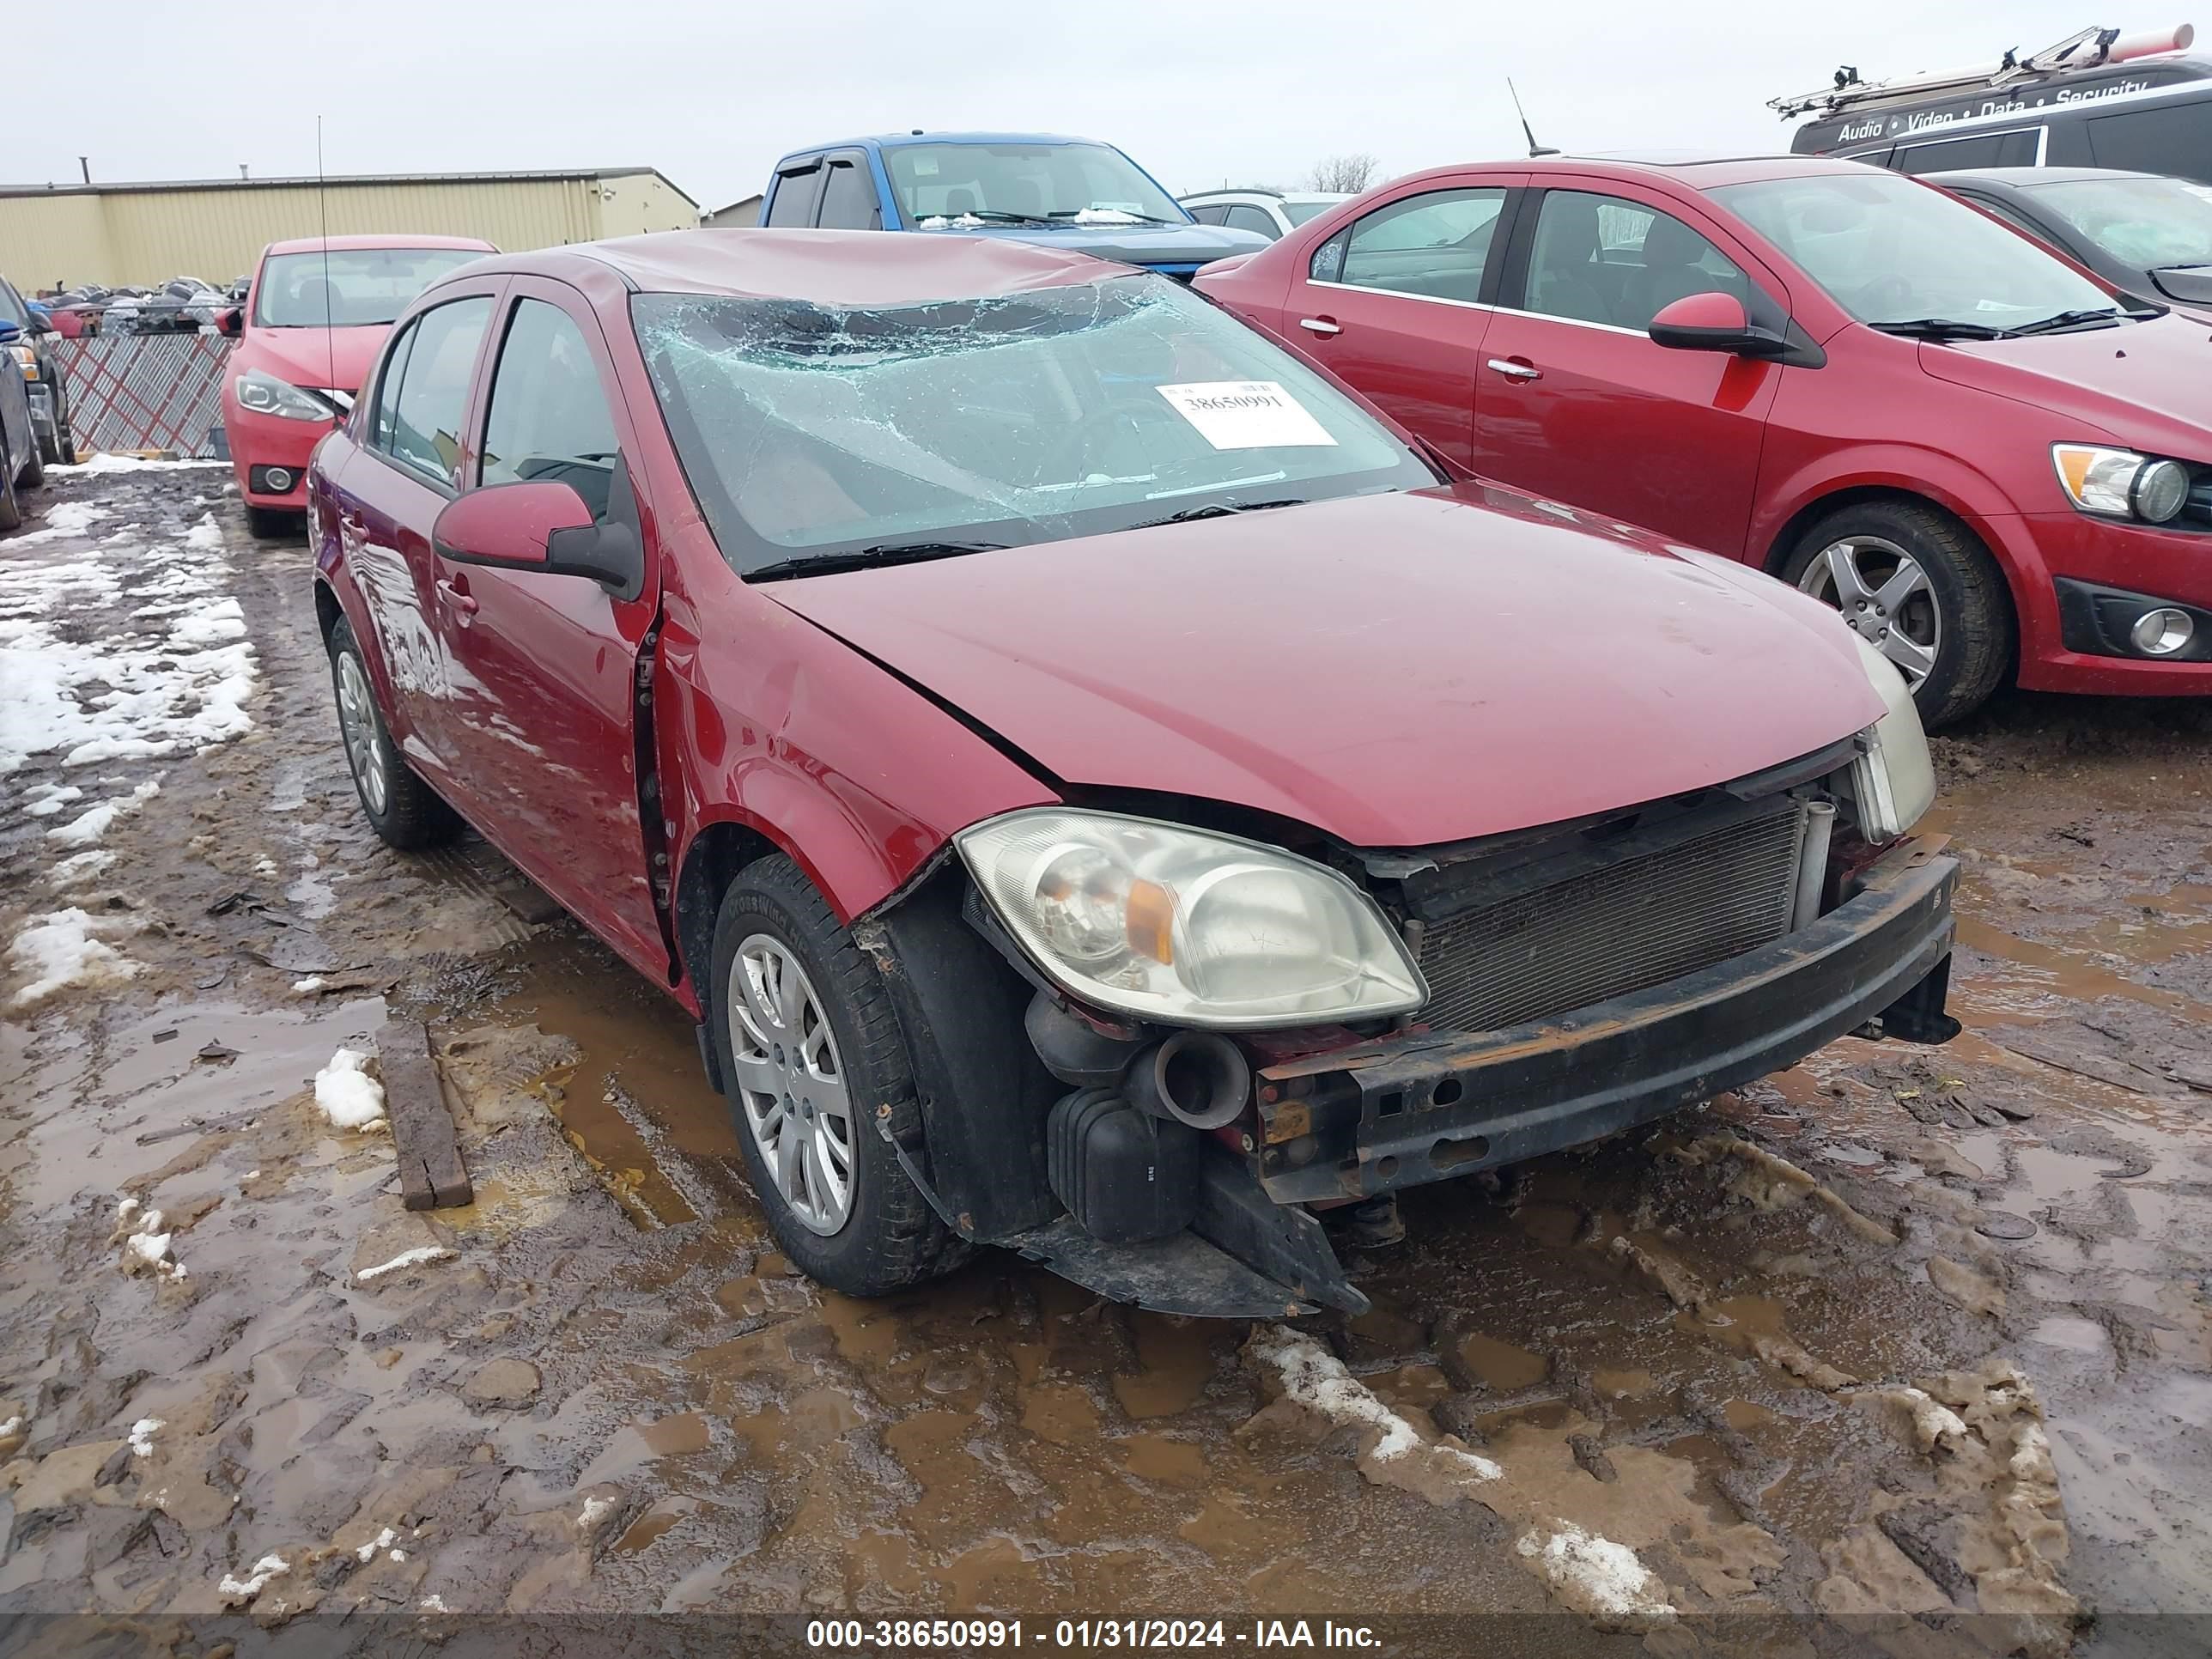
[974,1134]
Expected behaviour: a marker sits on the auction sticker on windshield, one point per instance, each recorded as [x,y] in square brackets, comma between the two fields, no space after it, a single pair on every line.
[1245,415]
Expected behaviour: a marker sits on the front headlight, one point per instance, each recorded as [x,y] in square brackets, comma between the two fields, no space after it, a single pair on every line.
[2118,484]
[26,359]
[264,394]
[1188,928]
[1894,781]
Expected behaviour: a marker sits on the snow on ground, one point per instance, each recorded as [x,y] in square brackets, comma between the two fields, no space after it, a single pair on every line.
[137,651]
[69,519]
[58,949]
[105,462]
[1595,1575]
[349,1097]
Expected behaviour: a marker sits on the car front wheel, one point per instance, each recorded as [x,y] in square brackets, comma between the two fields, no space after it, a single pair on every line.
[808,1047]
[403,811]
[1916,585]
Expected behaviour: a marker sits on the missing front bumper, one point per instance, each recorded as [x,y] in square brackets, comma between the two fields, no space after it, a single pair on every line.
[1429,1106]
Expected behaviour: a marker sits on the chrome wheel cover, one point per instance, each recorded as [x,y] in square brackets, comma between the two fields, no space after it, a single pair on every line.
[790,1083]
[1883,593]
[363,734]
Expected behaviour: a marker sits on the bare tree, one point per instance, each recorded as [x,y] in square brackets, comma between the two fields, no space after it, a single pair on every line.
[1349,173]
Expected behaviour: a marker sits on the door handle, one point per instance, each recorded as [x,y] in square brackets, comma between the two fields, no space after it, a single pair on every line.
[1514,369]
[456,598]
[1321,325]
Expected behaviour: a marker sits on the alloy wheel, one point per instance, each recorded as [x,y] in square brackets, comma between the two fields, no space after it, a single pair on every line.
[364,738]
[1885,595]
[791,1084]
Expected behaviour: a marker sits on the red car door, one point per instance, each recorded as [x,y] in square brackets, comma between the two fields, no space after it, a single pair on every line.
[543,665]
[1395,302]
[408,467]
[1575,401]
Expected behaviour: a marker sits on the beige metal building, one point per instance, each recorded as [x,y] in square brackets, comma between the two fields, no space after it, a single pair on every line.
[745,210]
[215,228]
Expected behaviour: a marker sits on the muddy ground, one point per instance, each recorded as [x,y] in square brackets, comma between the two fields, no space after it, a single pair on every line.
[1920,1334]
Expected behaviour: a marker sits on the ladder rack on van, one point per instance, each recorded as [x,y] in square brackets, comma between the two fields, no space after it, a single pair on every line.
[2092,48]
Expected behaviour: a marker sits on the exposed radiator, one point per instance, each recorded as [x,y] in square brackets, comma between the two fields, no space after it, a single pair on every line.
[1648,918]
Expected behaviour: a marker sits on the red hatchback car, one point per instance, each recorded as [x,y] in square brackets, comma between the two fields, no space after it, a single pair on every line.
[312,320]
[1101,789]
[1991,464]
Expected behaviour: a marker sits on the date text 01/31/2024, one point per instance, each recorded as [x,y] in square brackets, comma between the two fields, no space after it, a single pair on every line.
[1079,1635]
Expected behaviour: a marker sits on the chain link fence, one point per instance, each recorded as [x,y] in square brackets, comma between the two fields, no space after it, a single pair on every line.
[132,392]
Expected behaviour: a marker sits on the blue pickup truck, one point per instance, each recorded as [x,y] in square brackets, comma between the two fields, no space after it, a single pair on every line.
[1073,193]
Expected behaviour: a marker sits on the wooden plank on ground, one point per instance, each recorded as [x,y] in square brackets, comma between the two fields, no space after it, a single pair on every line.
[431,1174]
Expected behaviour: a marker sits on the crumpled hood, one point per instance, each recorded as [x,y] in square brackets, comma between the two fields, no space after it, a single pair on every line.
[1397,671]
[1131,244]
[2148,385]
[302,356]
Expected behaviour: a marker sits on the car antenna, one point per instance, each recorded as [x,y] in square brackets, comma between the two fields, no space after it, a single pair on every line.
[1535,148]
[323,207]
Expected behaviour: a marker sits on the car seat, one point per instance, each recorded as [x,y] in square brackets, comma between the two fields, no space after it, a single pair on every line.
[1559,284]
[1671,272]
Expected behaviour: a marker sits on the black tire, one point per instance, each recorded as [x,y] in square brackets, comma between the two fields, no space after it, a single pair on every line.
[890,1237]
[275,524]
[1978,630]
[412,814]
[33,475]
[11,510]
[50,450]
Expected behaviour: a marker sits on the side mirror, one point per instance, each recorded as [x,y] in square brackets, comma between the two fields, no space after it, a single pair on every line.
[230,320]
[1713,322]
[538,524]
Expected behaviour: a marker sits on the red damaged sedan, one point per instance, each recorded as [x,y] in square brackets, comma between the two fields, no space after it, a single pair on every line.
[1101,788]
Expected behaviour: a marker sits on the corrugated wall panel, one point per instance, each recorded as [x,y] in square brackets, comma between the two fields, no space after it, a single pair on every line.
[148,236]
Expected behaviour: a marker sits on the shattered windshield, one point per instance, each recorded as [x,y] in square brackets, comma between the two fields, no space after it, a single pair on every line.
[811,431]
[938,184]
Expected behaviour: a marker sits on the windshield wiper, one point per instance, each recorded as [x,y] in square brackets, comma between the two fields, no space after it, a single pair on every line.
[1944,328]
[1218,510]
[993,217]
[2074,319]
[868,558]
[1061,214]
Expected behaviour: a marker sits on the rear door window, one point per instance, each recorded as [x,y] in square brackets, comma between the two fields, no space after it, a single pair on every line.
[550,417]
[427,429]
[797,189]
[1243,217]
[2019,149]
[848,195]
[1213,213]
[2173,138]
[1435,246]
[385,418]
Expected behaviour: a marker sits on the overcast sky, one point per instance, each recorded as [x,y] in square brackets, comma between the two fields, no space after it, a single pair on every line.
[711,93]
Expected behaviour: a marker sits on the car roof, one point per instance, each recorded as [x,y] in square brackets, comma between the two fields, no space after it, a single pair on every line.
[1267,195]
[895,140]
[384,239]
[1697,171]
[2029,177]
[858,269]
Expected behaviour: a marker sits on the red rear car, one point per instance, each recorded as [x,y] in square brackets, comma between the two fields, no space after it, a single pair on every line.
[1100,789]
[317,313]
[1838,374]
